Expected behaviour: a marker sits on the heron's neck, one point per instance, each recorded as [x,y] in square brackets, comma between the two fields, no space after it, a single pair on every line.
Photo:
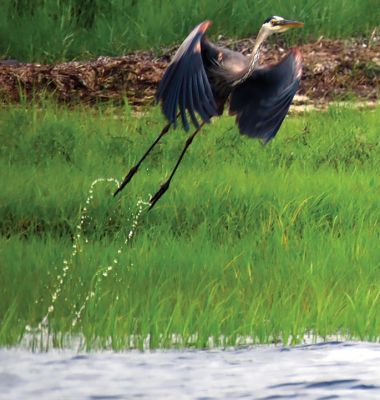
[261,38]
[254,58]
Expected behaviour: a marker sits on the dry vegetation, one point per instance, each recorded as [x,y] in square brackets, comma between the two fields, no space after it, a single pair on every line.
[333,70]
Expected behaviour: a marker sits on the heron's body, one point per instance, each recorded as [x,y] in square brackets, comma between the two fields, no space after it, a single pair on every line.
[221,66]
[202,77]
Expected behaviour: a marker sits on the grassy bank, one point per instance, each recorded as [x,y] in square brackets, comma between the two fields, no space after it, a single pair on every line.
[78,29]
[267,242]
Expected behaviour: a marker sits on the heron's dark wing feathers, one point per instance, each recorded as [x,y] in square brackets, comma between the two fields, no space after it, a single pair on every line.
[263,100]
[185,85]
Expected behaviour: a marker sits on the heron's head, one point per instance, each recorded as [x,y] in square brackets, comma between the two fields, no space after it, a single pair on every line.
[278,25]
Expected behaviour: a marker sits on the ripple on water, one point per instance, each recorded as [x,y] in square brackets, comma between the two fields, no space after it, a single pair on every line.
[322,371]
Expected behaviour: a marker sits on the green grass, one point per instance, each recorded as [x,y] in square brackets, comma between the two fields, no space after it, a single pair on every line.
[268,242]
[77,29]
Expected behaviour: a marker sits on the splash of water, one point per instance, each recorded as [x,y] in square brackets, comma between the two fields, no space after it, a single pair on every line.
[68,263]
[102,274]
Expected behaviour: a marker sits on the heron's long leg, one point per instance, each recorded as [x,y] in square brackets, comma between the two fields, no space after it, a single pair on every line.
[165,186]
[134,169]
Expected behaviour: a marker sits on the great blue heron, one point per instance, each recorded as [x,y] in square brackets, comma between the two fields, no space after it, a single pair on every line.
[201,77]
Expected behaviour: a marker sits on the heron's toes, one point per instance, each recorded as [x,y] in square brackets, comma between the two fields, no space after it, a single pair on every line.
[164,187]
[126,180]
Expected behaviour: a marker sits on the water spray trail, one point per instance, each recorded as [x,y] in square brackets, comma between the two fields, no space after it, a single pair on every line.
[105,272]
[67,264]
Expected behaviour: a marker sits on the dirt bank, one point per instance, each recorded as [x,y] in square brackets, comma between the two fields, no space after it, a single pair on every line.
[333,70]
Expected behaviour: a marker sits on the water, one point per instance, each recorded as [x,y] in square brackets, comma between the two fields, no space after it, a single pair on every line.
[335,370]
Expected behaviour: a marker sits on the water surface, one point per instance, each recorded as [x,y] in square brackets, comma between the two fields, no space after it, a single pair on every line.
[332,370]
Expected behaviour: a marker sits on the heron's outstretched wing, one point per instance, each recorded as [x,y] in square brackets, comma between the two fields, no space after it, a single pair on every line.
[262,101]
[185,85]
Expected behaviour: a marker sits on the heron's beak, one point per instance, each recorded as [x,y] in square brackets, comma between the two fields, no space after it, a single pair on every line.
[287,24]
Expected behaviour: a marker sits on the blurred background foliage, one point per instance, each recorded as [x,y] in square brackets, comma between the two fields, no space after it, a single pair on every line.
[57,30]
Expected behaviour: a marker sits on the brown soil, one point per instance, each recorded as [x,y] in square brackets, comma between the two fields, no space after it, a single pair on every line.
[333,70]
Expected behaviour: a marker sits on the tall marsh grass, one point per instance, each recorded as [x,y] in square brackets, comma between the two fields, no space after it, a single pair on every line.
[53,30]
[268,242]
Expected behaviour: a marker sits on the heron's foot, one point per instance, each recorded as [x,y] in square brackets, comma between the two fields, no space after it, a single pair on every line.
[164,187]
[126,180]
